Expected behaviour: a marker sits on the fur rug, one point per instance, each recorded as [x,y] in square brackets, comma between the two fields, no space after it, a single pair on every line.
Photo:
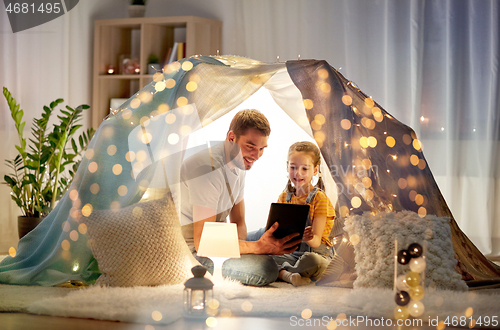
[280,299]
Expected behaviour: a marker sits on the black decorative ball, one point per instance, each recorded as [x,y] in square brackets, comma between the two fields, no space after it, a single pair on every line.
[403,257]
[402,298]
[415,250]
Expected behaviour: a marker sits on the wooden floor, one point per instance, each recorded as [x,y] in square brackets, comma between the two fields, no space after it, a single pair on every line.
[21,321]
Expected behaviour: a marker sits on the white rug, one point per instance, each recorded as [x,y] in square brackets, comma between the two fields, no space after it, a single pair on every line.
[163,305]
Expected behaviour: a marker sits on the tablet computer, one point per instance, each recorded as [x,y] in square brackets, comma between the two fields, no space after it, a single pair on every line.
[292,218]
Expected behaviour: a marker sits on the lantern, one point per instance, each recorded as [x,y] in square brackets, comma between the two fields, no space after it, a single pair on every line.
[198,291]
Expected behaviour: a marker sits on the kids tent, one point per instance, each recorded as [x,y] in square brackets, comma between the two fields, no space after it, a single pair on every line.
[140,148]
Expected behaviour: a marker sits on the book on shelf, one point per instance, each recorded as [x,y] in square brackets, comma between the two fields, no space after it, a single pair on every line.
[176,52]
[173,53]
[181,51]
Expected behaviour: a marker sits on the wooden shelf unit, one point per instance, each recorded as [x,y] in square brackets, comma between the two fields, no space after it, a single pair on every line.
[113,38]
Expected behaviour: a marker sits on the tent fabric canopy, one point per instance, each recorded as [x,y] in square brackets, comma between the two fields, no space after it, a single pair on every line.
[376,162]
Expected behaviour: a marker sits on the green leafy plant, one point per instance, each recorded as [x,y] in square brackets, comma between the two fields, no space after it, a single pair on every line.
[45,167]
[153,59]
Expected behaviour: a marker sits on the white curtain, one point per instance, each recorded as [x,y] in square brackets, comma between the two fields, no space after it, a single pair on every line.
[38,66]
[434,65]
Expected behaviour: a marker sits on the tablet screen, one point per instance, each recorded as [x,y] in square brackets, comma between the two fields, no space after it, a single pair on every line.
[292,218]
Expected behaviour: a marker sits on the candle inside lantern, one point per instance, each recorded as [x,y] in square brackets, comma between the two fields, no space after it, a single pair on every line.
[111,69]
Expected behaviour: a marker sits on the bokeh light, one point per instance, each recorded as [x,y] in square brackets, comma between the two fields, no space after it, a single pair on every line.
[130,156]
[187,65]
[191,86]
[65,245]
[157,316]
[246,306]
[469,311]
[356,202]
[73,194]
[225,312]
[369,102]
[354,239]
[173,138]
[94,188]
[414,160]
[211,322]
[145,97]
[308,104]
[87,210]
[92,167]
[417,144]
[170,83]
[135,103]
[390,141]
[306,313]
[345,124]
[111,149]
[74,235]
[82,228]
[344,211]
[347,99]
[322,74]
[66,226]
[182,101]
[372,141]
[89,153]
[122,190]
[159,86]
[137,212]
[162,108]
[117,169]
[126,113]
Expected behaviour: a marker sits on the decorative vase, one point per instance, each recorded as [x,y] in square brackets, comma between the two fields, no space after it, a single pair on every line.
[27,224]
[136,10]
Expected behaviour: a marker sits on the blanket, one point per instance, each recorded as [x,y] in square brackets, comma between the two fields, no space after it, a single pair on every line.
[164,304]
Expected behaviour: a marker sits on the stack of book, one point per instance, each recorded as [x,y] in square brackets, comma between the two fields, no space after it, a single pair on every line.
[176,52]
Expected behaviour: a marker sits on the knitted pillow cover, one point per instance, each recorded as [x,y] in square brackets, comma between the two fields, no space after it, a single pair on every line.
[140,245]
[373,239]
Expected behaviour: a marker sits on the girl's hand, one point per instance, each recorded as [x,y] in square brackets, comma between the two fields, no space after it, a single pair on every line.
[308,234]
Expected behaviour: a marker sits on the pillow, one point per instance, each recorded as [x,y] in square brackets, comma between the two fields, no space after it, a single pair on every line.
[373,239]
[140,245]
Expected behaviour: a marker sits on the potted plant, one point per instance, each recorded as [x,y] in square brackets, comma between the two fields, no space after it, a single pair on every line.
[44,167]
[153,64]
[137,8]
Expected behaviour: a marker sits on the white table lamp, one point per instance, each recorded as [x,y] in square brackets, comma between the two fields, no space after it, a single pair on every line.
[219,241]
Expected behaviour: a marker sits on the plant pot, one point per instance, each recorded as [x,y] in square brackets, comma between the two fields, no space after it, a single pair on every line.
[154,68]
[136,10]
[27,224]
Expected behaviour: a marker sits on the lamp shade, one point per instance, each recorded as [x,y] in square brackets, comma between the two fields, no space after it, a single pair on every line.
[219,239]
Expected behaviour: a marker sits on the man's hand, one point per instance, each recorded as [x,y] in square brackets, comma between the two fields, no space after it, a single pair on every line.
[268,244]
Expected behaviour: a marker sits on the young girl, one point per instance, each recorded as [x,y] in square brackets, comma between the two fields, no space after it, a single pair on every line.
[315,251]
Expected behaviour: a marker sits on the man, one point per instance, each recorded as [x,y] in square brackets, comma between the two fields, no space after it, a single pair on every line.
[212,183]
